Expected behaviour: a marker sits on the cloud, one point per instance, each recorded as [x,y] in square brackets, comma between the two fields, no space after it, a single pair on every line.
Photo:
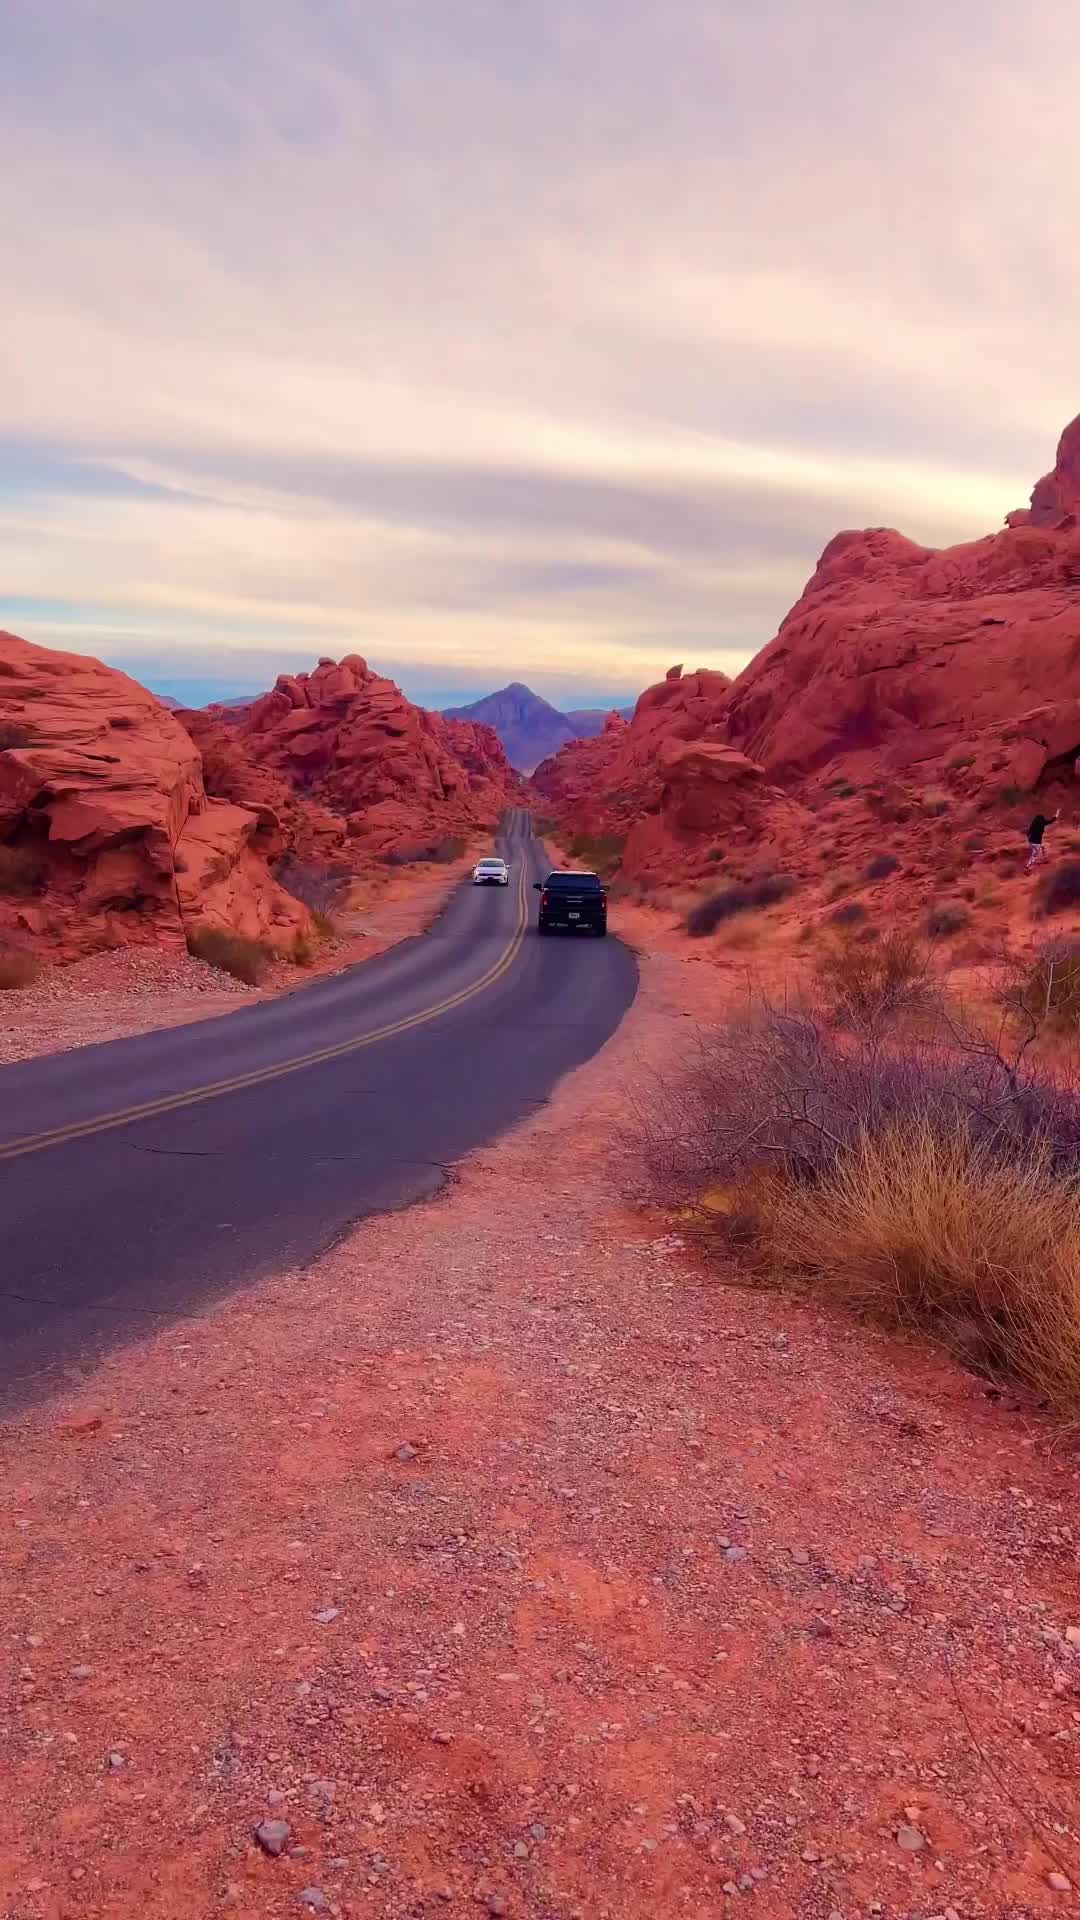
[522,338]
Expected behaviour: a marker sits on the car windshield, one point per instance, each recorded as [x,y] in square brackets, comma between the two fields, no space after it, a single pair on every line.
[572,882]
[492,866]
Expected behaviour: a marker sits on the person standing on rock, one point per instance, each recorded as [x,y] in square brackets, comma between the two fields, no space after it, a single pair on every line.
[1036,851]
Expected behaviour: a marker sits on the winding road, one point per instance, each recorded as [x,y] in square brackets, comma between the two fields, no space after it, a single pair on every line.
[143,1177]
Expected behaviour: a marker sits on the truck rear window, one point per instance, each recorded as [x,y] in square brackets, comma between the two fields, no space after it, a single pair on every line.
[572,882]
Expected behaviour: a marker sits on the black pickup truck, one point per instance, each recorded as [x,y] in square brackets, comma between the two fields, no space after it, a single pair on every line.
[574,901]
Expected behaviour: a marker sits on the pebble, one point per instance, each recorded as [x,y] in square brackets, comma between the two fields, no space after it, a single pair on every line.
[273,1836]
[910,1839]
[538,1830]
[734,1553]
[1060,1882]
[82,1673]
[494,1902]
[385,1694]
[521,1851]
[275,1797]
[746,1883]
[810,1855]
[800,1556]
[443,1739]
[734,1824]
[314,1899]
[730,1887]
[116,1761]
[325,1615]
[407,1452]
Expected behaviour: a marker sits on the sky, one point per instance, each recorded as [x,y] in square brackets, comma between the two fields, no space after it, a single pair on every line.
[545,340]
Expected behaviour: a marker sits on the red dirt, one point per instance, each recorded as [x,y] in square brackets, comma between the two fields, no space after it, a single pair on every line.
[683,1585]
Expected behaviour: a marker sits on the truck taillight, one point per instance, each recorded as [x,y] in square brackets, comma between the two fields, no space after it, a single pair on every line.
[544,898]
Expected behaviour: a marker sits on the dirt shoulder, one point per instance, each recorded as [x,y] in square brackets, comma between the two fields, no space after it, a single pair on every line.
[137,990]
[518,1564]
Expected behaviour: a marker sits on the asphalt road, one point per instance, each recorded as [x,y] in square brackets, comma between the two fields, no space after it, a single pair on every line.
[140,1178]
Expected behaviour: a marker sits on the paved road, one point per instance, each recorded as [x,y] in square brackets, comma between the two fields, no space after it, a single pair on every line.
[139,1178]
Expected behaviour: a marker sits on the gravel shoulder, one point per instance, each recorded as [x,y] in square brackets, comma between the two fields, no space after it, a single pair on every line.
[521,1564]
[140,989]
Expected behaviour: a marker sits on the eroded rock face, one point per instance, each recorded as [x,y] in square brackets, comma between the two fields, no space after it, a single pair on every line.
[107,836]
[344,744]
[902,672]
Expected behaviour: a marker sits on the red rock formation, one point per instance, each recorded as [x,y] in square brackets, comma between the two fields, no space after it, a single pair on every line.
[904,675]
[107,836]
[349,747]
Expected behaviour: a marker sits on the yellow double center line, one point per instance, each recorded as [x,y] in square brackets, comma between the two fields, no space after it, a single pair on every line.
[261,1076]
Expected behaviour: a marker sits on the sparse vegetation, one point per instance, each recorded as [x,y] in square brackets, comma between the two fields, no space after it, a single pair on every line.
[233,953]
[1059,889]
[600,852]
[17,969]
[863,981]
[927,1179]
[321,888]
[849,914]
[941,922]
[438,852]
[746,897]
[935,802]
[1050,993]
[22,869]
[881,867]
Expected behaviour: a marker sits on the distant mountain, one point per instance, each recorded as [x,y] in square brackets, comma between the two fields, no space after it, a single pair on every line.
[529,727]
[587,722]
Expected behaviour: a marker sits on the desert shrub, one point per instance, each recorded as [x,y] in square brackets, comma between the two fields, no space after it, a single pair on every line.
[716,855]
[930,1182]
[841,885]
[848,915]
[13,735]
[975,843]
[320,887]
[946,920]
[867,981]
[599,852]
[921,1226]
[746,897]
[304,950]
[325,925]
[881,867]
[1050,991]
[961,761]
[22,869]
[844,790]
[1060,889]
[438,852]
[17,969]
[234,953]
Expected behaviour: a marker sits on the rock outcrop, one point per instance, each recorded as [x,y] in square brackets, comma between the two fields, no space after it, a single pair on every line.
[107,835]
[934,685]
[349,761]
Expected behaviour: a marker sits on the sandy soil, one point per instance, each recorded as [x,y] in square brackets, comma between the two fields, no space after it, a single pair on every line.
[520,1565]
[136,990]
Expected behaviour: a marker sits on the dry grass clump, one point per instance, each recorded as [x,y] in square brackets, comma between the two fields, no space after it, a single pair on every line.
[922,1226]
[233,953]
[926,1174]
[942,922]
[745,897]
[438,852]
[860,980]
[598,852]
[1050,993]
[17,969]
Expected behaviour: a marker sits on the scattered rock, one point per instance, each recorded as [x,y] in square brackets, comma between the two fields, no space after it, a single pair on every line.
[385,1695]
[407,1452]
[800,1556]
[115,1762]
[538,1830]
[275,1797]
[443,1739]
[1072,1635]
[273,1836]
[314,1899]
[82,1673]
[325,1615]
[1060,1882]
[521,1851]
[734,1824]
[734,1554]
[910,1839]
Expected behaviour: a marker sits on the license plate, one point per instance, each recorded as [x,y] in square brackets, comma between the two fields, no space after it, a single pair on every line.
[573,916]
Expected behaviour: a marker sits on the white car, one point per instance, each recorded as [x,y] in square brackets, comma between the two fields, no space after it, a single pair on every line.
[491,873]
